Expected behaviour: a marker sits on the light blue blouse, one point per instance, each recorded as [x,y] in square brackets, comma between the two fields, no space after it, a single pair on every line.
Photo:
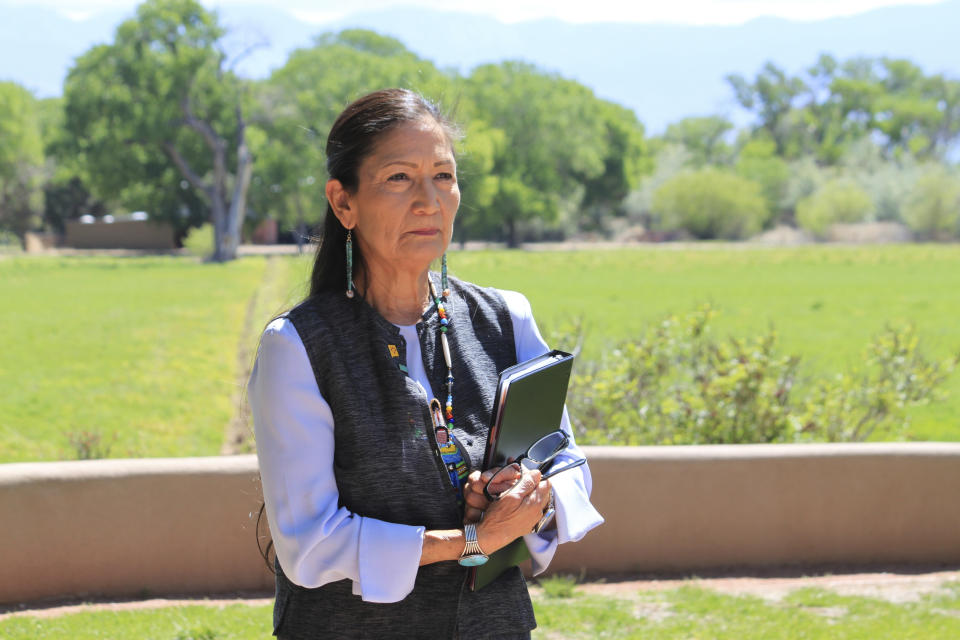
[316,540]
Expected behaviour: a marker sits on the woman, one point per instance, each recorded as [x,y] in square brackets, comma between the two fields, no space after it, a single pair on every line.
[367,491]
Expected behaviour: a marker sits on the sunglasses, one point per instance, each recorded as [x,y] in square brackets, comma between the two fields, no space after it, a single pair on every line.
[540,455]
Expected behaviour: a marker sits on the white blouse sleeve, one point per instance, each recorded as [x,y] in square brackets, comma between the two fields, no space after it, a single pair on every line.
[316,540]
[571,489]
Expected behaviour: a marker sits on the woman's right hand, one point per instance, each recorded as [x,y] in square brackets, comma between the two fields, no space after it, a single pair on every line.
[515,513]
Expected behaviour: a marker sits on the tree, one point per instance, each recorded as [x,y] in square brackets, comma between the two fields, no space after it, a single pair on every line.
[625,161]
[68,199]
[772,95]
[671,159]
[65,193]
[888,181]
[562,147]
[21,161]
[836,104]
[758,162]
[298,104]
[157,115]
[916,113]
[703,137]
[478,185]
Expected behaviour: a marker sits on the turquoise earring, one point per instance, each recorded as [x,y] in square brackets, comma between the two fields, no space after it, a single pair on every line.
[349,252]
[443,276]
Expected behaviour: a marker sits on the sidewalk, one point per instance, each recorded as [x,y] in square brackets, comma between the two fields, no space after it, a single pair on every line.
[897,588]
[894,587]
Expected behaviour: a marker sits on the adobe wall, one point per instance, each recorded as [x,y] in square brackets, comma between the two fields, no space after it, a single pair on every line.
[120,234]
[133,527]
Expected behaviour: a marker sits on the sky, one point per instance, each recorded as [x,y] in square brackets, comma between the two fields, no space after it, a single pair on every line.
[577,11]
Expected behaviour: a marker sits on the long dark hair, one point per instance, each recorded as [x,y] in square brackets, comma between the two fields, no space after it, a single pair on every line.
[352,138]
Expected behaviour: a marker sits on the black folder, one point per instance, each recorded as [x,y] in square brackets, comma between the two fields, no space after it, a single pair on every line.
[528,405]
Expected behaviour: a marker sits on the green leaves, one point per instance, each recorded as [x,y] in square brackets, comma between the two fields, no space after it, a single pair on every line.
[21,160]
[860,404]
[159,86]
[932,209]
[298,104]
[710,203]
[566,152]
[838,201]
[834,104]
[677,384]
[20,139]
[703,138]
[538,147]
[544,158]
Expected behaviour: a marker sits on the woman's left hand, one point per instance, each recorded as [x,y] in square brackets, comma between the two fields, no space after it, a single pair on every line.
[476,502]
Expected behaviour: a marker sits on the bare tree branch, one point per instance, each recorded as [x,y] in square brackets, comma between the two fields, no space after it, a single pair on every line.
[244,170]
[260,44]
[214,142]
[185,169]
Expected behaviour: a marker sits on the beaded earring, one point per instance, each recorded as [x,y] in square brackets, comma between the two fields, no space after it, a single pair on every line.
[443,276]
[349,251]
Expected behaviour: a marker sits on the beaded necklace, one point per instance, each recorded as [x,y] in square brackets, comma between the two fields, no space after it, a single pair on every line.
[443,430]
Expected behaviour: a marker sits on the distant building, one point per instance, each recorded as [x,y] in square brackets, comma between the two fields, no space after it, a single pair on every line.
[265,232]
[131,232]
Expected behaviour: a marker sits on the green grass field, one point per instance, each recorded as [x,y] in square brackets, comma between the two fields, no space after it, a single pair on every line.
[143,352]
[825,302]
[692,612]
[682,613]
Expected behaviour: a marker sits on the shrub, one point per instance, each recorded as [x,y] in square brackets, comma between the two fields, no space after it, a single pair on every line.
[759,163]
[671,160]
[836,202]
[710,203]
[677,384]
[805,178]
[854,406]
[887,181]
[9,243]
[199,241]
[932,210]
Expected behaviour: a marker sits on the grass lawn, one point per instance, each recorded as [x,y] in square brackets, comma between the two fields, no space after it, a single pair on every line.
[170,623]
[692,612]
[683,613]
[140,352]
[825,302]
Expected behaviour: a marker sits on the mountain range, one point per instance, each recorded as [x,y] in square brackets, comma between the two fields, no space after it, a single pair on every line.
[663,72]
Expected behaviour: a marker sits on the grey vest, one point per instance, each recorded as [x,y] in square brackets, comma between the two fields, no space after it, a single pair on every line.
[387,466]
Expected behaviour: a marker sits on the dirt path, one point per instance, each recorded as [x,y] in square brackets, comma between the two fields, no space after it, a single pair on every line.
[237,438]
[894,587]
[153,603]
